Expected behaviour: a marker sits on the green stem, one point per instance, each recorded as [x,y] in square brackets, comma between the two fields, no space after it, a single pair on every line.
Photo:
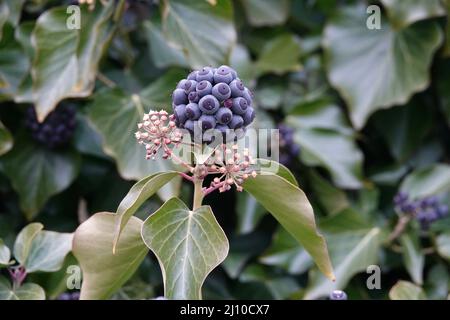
[198,194]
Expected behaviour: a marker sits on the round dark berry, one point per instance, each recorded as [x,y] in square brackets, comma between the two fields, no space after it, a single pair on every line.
[189,125]
[237,88]
[207,122]
[249,116]
[223,115]
[203,88]
[193,97]
[205,73]
[189,86]
[209,104]
[224,74]
[239,105]
[193,112]
[179,97]
[192,75]
[236,122]
[248,96]
[221,91]
[180,113]
[338,295]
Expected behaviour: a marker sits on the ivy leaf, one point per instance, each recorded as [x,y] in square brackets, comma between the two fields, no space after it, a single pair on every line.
[427,181]
[188,245]
[382,76]
[47,251]
[37,173]
[328,141]
[6,140]
[15,10]
[27,291]
[66,61]
[403,13]
[137,195]
[266,13]
[103,272]
[280,55]
[351,252]
[249,212]
[205,33]
[24,241]
[289,205]
[14,63]
[404,290]
[412,256]
[5,254]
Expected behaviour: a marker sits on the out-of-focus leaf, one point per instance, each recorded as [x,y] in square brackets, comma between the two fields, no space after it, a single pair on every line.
[266,13]
[289,205]
[285,253]
[327,140]
[404,13]
[162,52]
[188,245]
[382,76]
[14,63]
[205,33]
[330,197]
[103,272]
[249,213]
[443,245]
[66,60]
[86,139]
[15,10]
[241,62]
[279,55]
[27,291]
[4,12]
[413,257]
[404,290]
[427,181]
[5,254]
[6,140]
[437,282]
[404,128]
[37,173]
[24,241]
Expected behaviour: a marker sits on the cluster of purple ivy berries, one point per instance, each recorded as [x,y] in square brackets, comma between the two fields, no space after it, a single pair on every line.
[56,130]
[212,98]
[289,150]
[425,210]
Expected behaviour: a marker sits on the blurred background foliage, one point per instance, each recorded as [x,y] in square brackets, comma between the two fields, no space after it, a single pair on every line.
[369,109]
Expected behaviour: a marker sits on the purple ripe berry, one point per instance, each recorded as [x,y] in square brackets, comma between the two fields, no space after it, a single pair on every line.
[223,115]
[180,113]
[221,91]
[236,122]
[207,122]
[192,75]
[224,74]
[56,130]
[338,295]
[209,104]
[179,97]
[249,116]
[181,83]
[193,111]
[189,86]
[205,73]
[239,105]
[193,97]
[203,88]
[189,125]
[248,96]
[237,88]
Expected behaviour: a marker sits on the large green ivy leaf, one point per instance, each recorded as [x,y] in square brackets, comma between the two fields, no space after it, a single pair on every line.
[289,205]
[28,291]
[137,195]
[427,181]
[327,140]
[66,60]
[103,272]
[372,69]
[115,114]
[6,140]
[24,241]
[280,55]
[37,173]
[188,245]
[205,33]
[266,13]
[413,257]
[351,252]
[14,63]
[404,290]
[404,13]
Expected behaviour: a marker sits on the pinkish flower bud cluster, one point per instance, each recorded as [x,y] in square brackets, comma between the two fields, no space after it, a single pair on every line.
[158,131]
